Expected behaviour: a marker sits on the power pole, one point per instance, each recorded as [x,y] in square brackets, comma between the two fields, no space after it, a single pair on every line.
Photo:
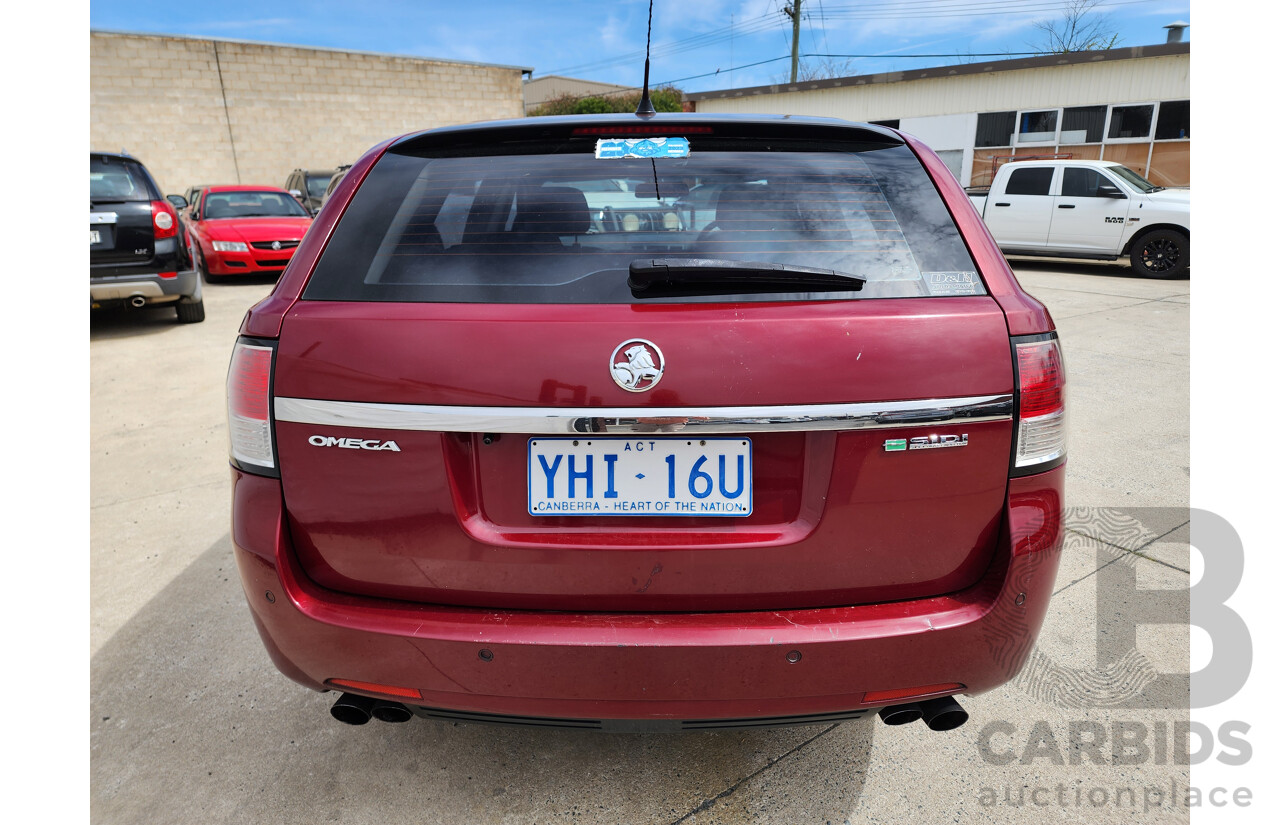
[793,11]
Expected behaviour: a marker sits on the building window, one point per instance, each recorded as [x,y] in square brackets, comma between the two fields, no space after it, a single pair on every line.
[1033,181]
[1130,122]
[995,128]
[1083,124]
[1174,121]
[1037,127]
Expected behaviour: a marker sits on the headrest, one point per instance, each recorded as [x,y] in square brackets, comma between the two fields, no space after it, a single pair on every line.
[552,211]
[754,206]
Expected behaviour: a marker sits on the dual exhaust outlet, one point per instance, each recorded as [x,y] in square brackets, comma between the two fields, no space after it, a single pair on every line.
[939,714]
[353,709]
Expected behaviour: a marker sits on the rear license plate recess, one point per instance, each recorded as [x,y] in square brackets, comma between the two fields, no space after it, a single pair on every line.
[640,476]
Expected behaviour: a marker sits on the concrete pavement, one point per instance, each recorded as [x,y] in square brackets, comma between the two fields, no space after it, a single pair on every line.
[191,722]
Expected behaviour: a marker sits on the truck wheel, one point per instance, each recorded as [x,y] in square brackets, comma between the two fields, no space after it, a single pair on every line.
[1163,253]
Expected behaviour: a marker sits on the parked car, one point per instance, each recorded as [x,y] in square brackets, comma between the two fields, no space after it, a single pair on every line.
[137,256]
[245,230]
[308,185]
[1088,209]
[495,461]
[333,183]
[193,193]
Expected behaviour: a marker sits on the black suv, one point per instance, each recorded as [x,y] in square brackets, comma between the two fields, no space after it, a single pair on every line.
[137,252]
[308,185]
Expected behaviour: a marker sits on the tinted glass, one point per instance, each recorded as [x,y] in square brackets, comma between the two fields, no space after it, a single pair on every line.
[1083,124]
[1030,181]
[117,179]
[251,205]
[316,185]
[995,128]
[1082,182]
[1132,178]
[547,228]
[1175,120]
[1130,122]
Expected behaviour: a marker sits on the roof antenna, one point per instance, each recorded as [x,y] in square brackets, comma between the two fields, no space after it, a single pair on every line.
[645,107]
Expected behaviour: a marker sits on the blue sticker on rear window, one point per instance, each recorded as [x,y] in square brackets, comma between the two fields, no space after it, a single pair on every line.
[658,147]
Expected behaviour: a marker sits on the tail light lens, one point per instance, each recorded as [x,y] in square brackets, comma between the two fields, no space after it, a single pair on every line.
[1042,421]
[249,407]
[165,219]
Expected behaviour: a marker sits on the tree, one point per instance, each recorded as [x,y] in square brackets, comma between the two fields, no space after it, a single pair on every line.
[823,69]
[664,99]
[1077,30]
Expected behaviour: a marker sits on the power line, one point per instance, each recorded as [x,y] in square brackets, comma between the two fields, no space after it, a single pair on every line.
[749,26]
[673,81]
[870,11]
[969,10]
[959,5]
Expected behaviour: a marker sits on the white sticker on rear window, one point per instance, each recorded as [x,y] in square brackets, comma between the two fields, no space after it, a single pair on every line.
[658,147]
[952,283]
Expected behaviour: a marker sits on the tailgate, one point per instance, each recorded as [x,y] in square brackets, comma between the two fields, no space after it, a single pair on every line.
[475,405]
[836,519]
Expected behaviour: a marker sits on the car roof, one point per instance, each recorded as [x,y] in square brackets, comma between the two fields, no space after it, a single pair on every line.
[650,125]
[121,155]
[1098,164]
[242,188]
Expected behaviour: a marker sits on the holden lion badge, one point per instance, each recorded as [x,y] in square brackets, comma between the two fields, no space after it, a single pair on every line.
[637,365]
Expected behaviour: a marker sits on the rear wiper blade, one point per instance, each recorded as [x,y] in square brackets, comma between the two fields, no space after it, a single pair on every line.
[671,277]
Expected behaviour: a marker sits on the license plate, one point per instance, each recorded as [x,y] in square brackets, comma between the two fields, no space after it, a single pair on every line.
[658,476]
[95,236]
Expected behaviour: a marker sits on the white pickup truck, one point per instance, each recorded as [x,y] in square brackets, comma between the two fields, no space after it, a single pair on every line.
[1088,209]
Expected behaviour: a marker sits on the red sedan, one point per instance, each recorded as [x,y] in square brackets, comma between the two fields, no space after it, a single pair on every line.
[679,423]
[245,230]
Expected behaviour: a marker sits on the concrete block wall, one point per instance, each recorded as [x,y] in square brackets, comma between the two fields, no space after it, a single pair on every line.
[214,111]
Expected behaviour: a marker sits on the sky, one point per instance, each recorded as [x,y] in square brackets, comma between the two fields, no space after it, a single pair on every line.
[705,45]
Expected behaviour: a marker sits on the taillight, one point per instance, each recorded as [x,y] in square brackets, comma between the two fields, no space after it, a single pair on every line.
[1042,406]
[164,219]
[249,407]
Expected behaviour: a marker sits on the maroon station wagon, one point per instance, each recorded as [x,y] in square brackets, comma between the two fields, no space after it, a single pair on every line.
[681,422]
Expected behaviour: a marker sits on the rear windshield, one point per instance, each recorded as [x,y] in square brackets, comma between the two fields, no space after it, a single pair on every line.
[117,179]
[563,226]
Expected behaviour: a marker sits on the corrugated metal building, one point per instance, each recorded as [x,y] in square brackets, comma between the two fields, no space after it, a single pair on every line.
[541,89]
[1131,105]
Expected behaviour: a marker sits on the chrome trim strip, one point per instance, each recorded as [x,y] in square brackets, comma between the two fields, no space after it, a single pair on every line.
[644,420]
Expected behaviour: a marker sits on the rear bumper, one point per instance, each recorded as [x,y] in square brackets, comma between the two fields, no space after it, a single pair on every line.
[688,666]
[153,286]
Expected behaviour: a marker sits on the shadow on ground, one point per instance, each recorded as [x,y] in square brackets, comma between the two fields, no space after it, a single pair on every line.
[190,722]
[126,322]
[1107,269]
